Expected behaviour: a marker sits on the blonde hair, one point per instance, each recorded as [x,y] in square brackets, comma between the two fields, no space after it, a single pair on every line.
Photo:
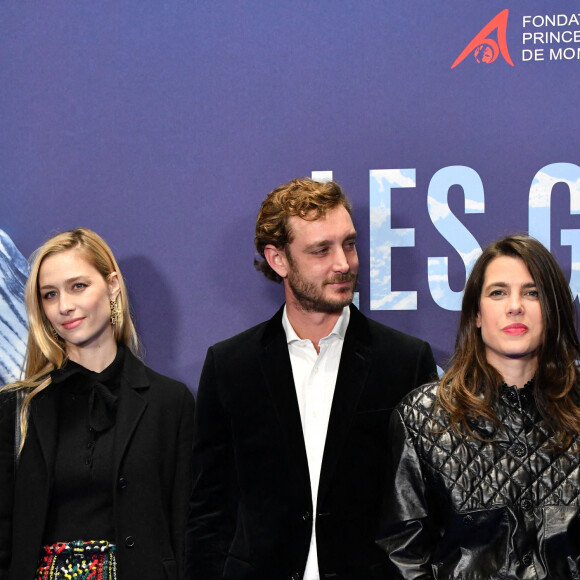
[45,351]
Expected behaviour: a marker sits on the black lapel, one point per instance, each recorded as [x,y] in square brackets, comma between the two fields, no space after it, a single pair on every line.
[132,404]
[351,379]
[44,418]
[277,370]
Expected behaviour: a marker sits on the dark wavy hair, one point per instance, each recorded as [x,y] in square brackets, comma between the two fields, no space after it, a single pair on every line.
[303,197]
[470,387]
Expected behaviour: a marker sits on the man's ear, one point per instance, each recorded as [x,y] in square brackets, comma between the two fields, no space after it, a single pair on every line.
[277,260]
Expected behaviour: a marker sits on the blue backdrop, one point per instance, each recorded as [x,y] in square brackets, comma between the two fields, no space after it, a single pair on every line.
[162,125]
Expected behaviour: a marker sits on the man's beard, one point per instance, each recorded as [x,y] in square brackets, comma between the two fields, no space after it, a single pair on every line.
[311,299]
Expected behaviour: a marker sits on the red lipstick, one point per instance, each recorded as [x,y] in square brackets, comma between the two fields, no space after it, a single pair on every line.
[515,329]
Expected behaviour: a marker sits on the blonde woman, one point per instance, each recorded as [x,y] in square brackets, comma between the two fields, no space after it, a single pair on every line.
[94,446]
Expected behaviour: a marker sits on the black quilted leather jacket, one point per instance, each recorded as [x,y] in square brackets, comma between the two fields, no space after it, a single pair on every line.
[461,508]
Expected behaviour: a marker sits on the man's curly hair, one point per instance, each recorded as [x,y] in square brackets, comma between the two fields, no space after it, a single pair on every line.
[304,198]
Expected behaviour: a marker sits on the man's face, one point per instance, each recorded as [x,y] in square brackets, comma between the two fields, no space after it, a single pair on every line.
[322,263]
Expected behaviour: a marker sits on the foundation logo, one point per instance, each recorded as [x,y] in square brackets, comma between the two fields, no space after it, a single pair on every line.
[486,49]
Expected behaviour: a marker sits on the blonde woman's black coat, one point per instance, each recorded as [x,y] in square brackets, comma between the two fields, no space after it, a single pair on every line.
[151,486]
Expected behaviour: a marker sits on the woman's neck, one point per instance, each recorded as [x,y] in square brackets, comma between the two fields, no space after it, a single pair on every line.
[96,358]
[518,374]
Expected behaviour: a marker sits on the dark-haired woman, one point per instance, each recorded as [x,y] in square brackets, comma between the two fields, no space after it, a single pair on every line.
[95,458]
[486,476]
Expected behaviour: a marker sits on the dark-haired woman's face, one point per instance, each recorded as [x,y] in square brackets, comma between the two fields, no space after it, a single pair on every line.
[510,314]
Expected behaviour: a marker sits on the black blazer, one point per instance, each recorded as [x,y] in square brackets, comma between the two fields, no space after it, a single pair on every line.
[251,515]
[151,487]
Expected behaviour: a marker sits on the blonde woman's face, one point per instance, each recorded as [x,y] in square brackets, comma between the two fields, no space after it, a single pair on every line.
[76,299]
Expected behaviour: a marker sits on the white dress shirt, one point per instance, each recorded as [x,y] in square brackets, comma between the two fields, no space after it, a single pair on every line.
[314,379]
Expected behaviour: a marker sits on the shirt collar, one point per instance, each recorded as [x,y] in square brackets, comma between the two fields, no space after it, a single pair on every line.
[339,329]
[109,376]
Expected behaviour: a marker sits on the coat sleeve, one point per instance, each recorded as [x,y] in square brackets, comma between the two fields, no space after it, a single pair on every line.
[212,517]
[408,533]
[181,492]
[7,468]
[426,367]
